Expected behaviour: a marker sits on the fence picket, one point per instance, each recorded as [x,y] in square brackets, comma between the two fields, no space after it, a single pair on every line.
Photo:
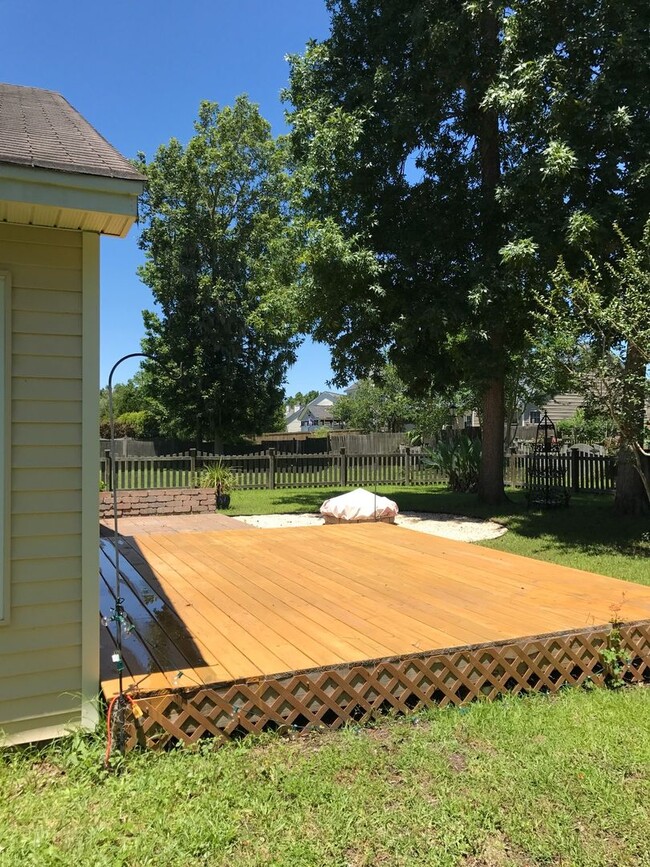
[581,472]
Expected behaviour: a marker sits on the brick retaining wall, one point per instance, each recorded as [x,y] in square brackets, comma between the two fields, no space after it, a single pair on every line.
[158,501]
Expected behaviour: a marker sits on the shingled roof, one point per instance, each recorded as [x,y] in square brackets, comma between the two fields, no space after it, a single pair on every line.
[39,128]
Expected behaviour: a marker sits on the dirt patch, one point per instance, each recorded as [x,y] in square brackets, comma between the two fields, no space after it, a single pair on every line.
[448,526]
[498,851]
[457,762]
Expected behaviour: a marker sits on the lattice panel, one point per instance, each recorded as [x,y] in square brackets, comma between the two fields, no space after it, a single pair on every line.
[331,698]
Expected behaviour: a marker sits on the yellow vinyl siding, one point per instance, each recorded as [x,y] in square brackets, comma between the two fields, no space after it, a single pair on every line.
[5,438]
[40,645]
[32,366]
[31,502]
[29,300]
[47,480]
[68,523]
[44,546]
[25,663]
[38,278]
[37,640]
[47,411]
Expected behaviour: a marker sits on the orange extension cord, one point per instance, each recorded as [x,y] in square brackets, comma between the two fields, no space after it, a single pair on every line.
[109,733]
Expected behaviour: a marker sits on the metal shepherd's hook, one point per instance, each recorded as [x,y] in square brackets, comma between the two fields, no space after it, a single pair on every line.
[118,612]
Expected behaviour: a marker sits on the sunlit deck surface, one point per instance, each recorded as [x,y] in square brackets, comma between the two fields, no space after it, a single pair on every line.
[214,610]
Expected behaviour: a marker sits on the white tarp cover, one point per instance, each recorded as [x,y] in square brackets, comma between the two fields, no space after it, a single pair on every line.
[359,505]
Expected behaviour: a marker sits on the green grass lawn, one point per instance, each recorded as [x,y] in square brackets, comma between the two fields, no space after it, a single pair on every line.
[534,781]
[527,782]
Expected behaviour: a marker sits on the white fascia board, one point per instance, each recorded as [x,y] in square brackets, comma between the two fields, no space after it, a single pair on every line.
[93,193]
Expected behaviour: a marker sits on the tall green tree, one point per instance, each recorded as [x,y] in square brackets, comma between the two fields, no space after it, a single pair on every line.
[134,412]
[378,404]
[601,328]
[402,163]
[448,153]
[383,402]
[222,270]
[300,399]
[576,92]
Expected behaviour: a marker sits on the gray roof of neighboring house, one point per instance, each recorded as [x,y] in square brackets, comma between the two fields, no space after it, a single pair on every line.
[312,408]
[318,412]
[322,412]
[39,128]
[293,416]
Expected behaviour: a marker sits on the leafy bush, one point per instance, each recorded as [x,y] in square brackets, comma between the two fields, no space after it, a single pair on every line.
[217,475]
[585,429]
[139,425]
[459,457]
[414,437]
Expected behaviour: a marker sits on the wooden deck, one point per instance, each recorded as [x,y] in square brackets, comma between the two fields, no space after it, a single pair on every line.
[236,630]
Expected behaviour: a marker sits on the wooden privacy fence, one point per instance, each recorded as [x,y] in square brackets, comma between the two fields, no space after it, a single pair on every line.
[579,471]
[272,470]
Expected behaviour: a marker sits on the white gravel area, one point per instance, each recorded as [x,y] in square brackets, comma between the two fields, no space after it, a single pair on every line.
[448,526]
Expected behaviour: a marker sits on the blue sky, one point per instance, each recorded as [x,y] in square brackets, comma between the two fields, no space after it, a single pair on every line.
[138,71]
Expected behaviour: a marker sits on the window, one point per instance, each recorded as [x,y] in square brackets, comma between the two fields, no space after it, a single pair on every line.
[5,357]
[468,421]
[535,416]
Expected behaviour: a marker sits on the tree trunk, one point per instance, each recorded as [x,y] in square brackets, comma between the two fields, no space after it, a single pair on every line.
[490,478]
[631,497]
[631,493]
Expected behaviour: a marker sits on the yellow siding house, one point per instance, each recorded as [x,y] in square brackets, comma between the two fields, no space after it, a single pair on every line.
[61,186]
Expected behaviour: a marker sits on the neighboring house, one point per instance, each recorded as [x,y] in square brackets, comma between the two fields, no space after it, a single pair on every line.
[318,413]
[559,408]
[61,186]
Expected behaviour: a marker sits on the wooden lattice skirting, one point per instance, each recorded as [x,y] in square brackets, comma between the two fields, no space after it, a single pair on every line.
[332,697]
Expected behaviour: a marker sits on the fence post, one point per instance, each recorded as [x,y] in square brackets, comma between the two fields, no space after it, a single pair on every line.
[271,476]
[407,465]
[575,470]
[343,469]
[192,468]
[108,472]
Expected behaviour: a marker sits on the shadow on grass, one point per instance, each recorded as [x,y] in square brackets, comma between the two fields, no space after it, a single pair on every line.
[587,525]
[310,501]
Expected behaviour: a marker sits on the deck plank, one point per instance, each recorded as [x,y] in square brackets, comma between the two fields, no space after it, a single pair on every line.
[158,625]
[314,625]
[248,605]
[228,641]
[231,605]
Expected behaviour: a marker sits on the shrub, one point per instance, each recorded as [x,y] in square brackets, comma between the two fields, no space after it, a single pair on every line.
[585,429]
[459,457]
[139,425]
[217,475]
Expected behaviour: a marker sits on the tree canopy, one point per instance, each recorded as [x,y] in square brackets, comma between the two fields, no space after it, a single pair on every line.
[383,402]
[447,154]
[222,269]
[134,412]
[300,399]
[601,334]
[380,404]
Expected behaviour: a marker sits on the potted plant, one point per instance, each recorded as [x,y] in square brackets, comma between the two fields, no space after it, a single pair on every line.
[221,477]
